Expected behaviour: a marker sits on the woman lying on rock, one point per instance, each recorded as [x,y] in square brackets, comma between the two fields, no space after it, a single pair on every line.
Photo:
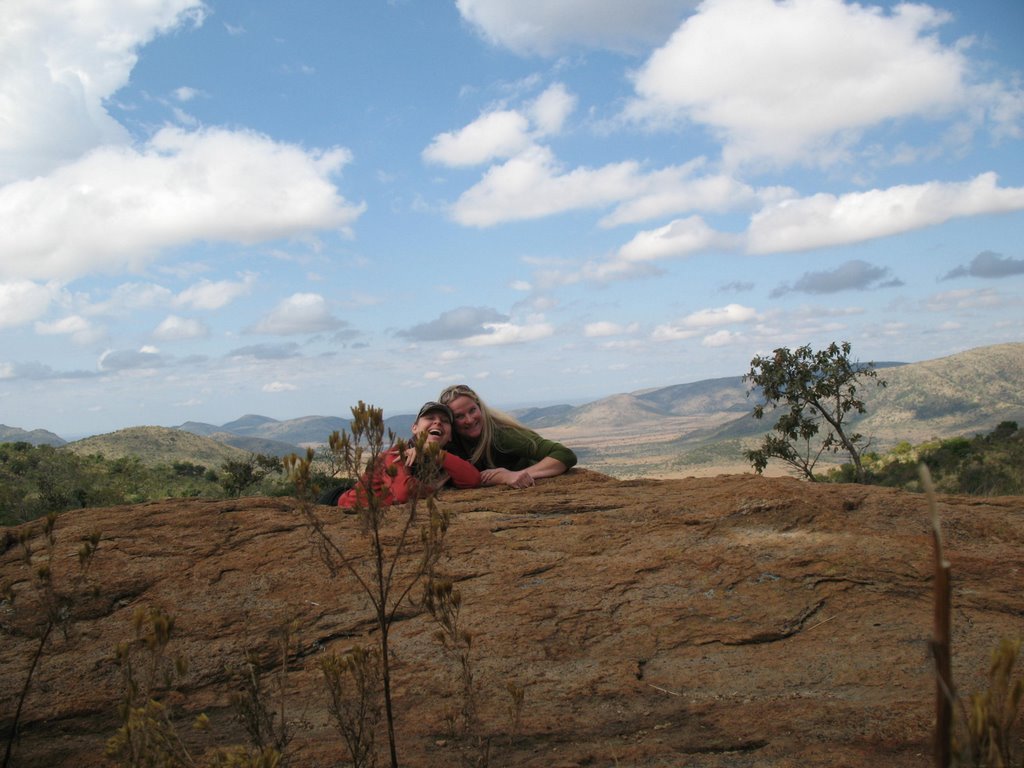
[504,450]
[394,478]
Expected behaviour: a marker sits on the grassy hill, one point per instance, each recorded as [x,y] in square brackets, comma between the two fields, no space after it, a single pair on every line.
[158,445]
[963,394]
[707,424]
[667,429]
[33,437]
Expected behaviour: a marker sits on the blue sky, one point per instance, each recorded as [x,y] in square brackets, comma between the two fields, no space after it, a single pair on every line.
[220,208]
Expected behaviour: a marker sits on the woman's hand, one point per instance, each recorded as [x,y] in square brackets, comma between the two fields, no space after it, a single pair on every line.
[409,456]
[498,476]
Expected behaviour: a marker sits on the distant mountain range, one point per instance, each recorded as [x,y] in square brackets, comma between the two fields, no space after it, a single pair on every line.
[963,394]
[35,436]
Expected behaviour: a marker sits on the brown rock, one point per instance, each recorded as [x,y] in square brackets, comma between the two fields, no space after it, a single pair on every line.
[729,621]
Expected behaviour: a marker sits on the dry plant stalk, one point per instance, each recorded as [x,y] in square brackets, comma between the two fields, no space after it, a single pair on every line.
[390,559]
[984,736]
[941,634]
[268,730]
[56,605]
[989,721]
[353,684]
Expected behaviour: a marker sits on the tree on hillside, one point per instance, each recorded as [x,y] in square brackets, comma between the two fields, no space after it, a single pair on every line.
[819,390]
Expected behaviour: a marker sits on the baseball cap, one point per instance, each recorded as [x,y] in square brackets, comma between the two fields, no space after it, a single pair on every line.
[433,407]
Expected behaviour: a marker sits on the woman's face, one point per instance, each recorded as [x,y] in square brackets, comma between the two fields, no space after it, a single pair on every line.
[436,426]
[469,421]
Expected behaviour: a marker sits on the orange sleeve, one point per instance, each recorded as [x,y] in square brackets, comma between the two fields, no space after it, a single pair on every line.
[462,473]
[391,490]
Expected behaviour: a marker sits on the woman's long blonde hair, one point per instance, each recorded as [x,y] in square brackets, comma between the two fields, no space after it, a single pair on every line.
[493,421]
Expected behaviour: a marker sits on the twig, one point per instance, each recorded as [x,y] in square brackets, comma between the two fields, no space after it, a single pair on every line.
[664,690]
[823,621]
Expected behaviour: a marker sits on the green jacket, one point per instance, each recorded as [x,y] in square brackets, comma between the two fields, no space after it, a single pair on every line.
[518,449]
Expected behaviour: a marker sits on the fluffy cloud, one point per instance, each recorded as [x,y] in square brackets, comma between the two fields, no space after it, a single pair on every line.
[297,314]
[130,359]
[679,189]
[698,322]
[113,209]
[76,327]
[499,334]
[855,275]
[65,60]
[544,27]
[825,219]
[799,76]
[457,323]
[209,294]
[23,301]
[532,185]
[990,265]
[174,328]
[493,135]
[678,238]
[501,134]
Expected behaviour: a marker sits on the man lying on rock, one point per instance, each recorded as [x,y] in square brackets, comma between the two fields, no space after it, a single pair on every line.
[394,479]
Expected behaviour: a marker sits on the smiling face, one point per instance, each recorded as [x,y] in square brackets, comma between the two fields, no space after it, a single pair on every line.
[469,419]
[436,426]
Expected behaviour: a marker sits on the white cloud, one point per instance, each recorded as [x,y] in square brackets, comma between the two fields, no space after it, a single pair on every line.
[492,135]
[681,237]
[209,294]
[299,313]
[184,93]
[22,301]
[503,133]
[727,315]
[145,358]
[174,328]
[551,109]
[531,185]
[61,62]
[279,386]
[671,332]
[825,219]
[695,323]
[797,81]
[78,328]
[675,190]
[545,27]
[723,339]
[499,334]
[130,296]
[115,208]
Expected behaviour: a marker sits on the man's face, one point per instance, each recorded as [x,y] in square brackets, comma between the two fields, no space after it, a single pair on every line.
[436,426]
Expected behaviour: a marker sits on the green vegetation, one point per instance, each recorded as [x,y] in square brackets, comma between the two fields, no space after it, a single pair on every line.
[985,465]
[39,480]
[819,388]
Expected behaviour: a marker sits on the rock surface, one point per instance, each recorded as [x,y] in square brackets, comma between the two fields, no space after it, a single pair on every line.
[728,621]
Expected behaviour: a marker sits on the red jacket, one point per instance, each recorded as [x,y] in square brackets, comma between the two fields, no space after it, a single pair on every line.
[399,488]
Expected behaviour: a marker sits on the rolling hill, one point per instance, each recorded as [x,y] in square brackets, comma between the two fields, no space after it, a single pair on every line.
[158,445]
[35,436]
[705,426]
[666,431]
